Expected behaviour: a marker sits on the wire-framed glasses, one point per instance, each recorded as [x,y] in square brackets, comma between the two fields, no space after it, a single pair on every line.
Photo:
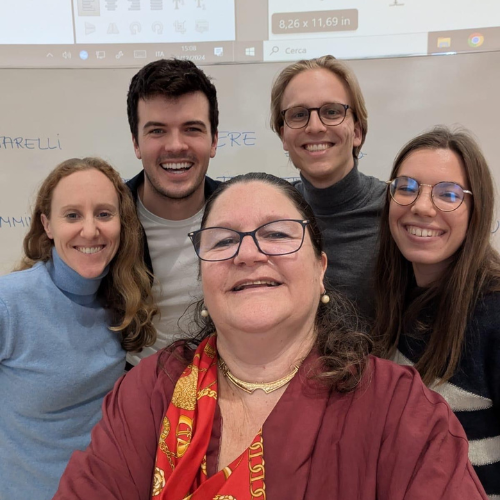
[330,114]
[279,237]
[446,196]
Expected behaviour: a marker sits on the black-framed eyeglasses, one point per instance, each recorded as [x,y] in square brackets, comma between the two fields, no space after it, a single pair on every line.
[279,237]
[446,196]
[330,114]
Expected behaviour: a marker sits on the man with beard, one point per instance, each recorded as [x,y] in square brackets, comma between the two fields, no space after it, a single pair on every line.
[173,116]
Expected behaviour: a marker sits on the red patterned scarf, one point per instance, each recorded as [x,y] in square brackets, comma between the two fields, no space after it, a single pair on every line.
[181,470]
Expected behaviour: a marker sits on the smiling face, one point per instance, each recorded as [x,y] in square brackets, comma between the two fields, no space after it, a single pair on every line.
[175,145]
[253,292]
[426,236]
[323,154]
[85,222]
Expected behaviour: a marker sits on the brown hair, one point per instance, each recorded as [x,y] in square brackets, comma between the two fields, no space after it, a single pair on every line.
[126,289]
[474,269]
[170,78]
[342,349]
[338,68]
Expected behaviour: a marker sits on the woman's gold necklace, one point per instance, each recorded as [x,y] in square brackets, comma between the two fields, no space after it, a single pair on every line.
[250,387]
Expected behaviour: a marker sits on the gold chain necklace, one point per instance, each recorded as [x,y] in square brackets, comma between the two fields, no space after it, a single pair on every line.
[250,387]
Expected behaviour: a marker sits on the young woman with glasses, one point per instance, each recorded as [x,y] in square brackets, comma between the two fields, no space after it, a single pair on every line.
[277,397]
[438,283]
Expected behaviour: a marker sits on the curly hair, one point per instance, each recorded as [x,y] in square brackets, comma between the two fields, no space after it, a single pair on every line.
[126,289]
[340,343]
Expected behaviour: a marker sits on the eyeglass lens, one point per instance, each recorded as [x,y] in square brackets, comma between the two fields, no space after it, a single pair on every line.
[447,196]
[274,238]
[330,114]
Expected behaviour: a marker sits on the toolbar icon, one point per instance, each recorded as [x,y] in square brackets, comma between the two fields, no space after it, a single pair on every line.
[157,28]
[250,51]
[84,55]
[119,55]
[201,26]
[140,54]
[89,28]
[66,54]
[135,28]
[111,4]
[135,5]
[88,8]
[219,51]
[443,42]
[475,40]
[180,26]
[156,4]
[113,29]
[100,54]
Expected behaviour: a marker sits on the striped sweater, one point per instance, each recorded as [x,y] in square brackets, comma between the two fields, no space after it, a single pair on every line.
[474,390]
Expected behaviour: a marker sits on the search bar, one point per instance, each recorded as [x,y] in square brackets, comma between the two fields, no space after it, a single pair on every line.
[349,47]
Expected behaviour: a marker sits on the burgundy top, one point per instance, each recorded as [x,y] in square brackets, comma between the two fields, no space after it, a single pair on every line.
[390,439]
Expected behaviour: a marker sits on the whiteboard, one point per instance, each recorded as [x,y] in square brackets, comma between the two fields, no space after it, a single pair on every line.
[49,115]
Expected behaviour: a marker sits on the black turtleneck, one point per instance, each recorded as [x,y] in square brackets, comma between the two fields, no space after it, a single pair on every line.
[348,214]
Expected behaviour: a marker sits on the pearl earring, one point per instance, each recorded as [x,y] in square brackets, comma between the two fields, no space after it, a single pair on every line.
[204,313]
[325,298]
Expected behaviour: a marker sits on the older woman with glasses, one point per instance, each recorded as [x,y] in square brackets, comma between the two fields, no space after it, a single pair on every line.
[277,396]
[438,283]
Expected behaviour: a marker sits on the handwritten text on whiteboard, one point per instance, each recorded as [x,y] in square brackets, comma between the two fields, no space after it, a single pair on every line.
[236,139]
[13,222]
[23,143]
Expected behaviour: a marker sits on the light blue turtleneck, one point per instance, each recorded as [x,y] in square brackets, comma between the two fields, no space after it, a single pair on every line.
[58,359]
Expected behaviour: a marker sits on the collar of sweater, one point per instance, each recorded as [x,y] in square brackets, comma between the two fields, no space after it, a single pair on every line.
[347,191]
[68,280]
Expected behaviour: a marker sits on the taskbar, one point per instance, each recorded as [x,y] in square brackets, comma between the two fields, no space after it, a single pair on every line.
[227,52]
[469,40]
[127,55]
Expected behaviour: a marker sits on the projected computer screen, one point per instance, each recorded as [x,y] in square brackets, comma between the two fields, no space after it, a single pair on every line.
[108,33]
